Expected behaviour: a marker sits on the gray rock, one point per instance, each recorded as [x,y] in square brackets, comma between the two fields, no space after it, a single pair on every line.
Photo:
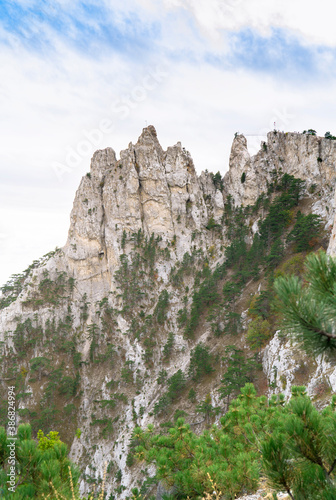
[158,192]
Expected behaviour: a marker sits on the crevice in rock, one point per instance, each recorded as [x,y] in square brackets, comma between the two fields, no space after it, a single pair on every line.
[319,148]
[140,191]
[103,251]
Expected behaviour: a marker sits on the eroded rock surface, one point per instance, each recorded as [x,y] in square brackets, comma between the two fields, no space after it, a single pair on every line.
[91,309]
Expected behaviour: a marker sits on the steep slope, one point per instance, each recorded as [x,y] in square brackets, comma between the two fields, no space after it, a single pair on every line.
[87,332]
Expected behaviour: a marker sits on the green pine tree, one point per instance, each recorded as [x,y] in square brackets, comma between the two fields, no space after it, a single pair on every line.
[38,465]
[299,457]
[205,407]
[201,362]
[239,371]
[307,228]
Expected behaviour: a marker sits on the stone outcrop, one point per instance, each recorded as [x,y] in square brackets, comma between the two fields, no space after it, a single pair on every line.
[305,156]
[147,189]
[157,194]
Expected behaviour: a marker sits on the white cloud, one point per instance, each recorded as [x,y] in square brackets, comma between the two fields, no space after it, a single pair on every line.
[314,21]
[49,99]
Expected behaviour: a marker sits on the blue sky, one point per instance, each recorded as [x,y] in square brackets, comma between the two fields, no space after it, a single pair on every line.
[84,27]
[95,29]
[199,70]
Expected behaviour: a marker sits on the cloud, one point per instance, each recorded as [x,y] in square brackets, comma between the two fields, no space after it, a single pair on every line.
[307,19]
[232,65]
[84,26]
[255,34]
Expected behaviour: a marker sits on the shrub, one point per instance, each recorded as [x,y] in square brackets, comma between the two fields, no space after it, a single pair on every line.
[205,407]
[162,377]
[308,307]
[292,444]
[176,384]
[168,347]
[192,395]
[161,307]
[258,333]
[239,371]
[201,362]
[127,372]
[212,224]
[218,181]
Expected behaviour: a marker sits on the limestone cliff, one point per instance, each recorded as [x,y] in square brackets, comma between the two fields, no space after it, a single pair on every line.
[86,332]
[147,189]
[305,156]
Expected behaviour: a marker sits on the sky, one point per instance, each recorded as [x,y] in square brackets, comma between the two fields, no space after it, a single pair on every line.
[77,76]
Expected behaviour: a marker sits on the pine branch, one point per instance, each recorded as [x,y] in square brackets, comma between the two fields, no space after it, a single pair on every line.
[314,329]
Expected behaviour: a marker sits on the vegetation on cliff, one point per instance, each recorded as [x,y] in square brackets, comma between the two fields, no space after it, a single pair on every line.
[231,272]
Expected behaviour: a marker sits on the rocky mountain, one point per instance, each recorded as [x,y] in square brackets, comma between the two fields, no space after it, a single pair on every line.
[93,334]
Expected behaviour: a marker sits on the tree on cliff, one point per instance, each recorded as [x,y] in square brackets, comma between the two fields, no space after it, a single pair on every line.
[305,232]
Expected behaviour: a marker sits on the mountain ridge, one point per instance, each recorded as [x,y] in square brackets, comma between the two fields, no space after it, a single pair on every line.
[145,232]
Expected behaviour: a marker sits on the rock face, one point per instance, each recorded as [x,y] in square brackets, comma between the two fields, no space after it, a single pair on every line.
[147,189]
[96,311]
[305,156]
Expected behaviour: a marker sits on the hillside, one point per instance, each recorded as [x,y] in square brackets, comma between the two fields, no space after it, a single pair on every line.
[163,281]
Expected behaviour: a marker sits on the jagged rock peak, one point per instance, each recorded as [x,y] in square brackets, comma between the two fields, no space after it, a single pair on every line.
[159,191]
[148,136]
[305,156]
[147,189]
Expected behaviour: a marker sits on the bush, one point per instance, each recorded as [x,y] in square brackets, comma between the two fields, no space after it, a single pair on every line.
[232,323]
[168,347]
[239,371]
[258,333]
[201,362]
[162,377]
[308,307]
[205,407]
[299,455]
[161,307]
[205,296]
[212,224]
[223,453]
[176,384]
[192,395]
[218,181]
